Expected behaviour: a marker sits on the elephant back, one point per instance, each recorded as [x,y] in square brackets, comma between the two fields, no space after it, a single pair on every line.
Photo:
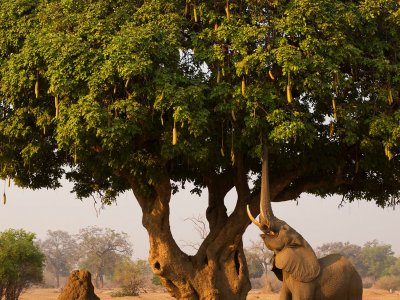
[338,279]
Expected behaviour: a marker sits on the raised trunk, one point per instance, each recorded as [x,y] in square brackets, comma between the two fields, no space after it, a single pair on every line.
[218,270]
[267,219]
[266,213]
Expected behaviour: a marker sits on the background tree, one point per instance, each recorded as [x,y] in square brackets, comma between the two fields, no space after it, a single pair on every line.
[21,263]
[378,258]
[131,275]
[200,225]
[101,250]
[60,249]
[394,269]
[258,258]
[150,95]
[351,251]
[373,259]
[254,264]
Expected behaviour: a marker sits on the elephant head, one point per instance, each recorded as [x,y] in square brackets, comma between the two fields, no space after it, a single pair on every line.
[292,253]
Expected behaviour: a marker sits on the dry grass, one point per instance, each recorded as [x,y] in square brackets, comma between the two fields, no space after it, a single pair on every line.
[375,294]
[105,294]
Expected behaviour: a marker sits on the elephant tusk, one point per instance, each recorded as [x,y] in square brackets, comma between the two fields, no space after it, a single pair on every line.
[252,218]
[271,233]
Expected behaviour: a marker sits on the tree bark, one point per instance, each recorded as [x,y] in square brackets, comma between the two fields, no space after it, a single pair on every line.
[218,270]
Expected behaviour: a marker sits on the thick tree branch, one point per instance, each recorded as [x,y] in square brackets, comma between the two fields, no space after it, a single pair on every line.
[218,186]
[293,191]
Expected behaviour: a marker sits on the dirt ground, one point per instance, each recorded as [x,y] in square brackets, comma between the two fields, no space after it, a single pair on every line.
[105,294]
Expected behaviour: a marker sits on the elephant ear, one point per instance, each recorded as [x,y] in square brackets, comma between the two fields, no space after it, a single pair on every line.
[299,260]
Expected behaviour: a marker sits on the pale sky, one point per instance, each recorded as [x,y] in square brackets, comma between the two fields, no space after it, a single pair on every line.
[318,220]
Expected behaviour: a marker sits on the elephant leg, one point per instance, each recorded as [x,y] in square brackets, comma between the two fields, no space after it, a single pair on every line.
[303,291]
[285,293]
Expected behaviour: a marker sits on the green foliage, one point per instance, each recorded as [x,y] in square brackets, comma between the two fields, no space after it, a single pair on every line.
[21,262]
[123,292]
[101,250]
[126,72]
[394,269]
[130,276]
[95,90]
[378,258]
[254,265]
[372,260]
[351,251]
[258,259]
[156,280]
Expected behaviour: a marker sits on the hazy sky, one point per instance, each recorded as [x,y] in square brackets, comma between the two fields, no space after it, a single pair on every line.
[318,220]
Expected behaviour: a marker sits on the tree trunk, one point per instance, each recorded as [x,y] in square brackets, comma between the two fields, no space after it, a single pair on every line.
[97,281]
[57,279]
[219,269]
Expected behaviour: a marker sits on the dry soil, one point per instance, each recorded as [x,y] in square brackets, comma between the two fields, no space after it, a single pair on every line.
[105,294]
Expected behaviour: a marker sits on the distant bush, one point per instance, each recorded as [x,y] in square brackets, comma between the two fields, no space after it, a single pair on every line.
[125,291]
[267,282]
[388,283]
[130,276]
[156,280]
[368,282]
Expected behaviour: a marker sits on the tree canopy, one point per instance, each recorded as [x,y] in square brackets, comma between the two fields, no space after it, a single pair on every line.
[60,250]
[130,275]
[102,249]
[94,90]
[258,259]
[374,259]
[21,263]
[149,95]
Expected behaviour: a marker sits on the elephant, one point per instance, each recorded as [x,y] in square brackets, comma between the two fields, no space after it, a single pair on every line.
[304,276]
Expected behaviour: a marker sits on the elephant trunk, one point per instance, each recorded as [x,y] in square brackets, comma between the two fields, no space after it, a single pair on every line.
[268,222]
[266,214]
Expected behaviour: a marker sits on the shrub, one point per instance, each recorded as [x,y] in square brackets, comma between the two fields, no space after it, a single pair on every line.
[156,280]
[124,292]
[388,283]
[130,276]
[21,263]
[268,282]
[368,282]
